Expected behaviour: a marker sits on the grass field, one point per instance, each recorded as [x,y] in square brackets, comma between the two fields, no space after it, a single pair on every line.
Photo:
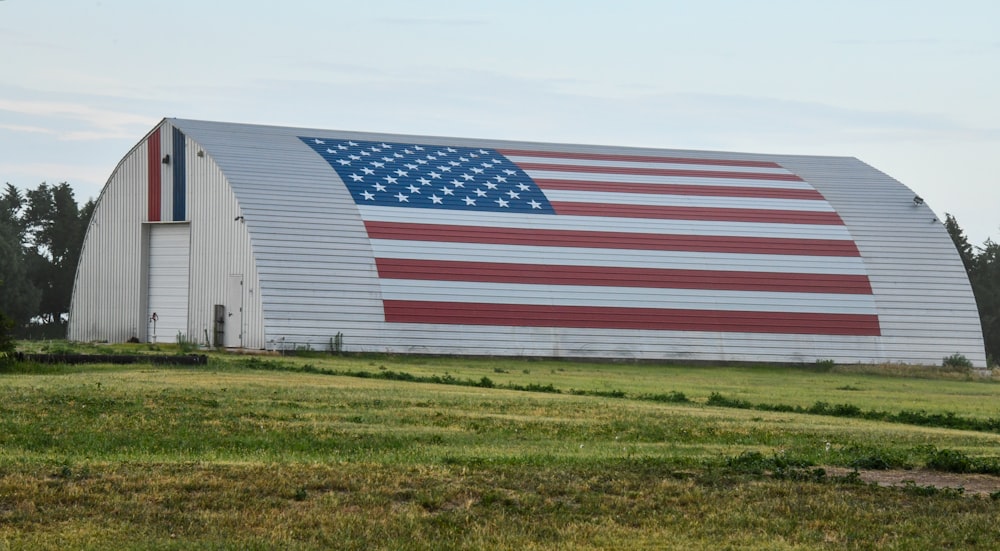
[324,452]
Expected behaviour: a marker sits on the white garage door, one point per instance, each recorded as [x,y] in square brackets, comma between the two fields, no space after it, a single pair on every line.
[169,252]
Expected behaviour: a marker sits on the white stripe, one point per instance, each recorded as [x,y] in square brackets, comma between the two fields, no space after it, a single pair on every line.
[576,256]
[650,164]
[627,297]
[646,179]
[493,219]
[667,200]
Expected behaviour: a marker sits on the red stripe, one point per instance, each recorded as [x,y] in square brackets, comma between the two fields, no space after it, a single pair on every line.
[635,158]
[698,213]
[590,317]
[497,272]
[610,240]
[660,172]
[153,185]
[679,189]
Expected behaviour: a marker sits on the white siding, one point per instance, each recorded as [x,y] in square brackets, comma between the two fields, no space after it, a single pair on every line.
[167,290]
[108,301]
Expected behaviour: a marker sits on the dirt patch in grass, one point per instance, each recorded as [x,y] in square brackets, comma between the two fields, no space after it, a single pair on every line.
[971,483]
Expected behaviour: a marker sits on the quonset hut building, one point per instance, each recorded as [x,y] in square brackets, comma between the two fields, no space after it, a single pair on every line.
[274,238]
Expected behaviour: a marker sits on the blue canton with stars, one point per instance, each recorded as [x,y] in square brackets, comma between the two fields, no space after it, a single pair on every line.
[430,176]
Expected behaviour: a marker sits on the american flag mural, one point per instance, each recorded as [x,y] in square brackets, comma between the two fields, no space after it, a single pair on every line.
[471,236]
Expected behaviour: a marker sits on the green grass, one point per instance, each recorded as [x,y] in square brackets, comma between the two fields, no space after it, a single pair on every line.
[281,455]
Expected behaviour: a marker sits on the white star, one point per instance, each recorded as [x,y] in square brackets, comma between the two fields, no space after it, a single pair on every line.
[450,150]
[454,163]
[386,146]
[403,198]
[484,152]
[375,149]
[410,166]
[469,202]
[343,162]
[356,178]
[496,161]
[514,194]
[331,151]
[365,153]
[467,177]
[389,180]
[341,147]
[408,151]
[413,188]
[486,165]
[352,144]
[369,196]
[509,172]
[368,171]
[463,159]
[480,193]
[388,159]
[502,203]
[424,181]
[444,168]
[490,185]
[535,204]
[431,158]
[418,148]
[500,179]
[318,141]
[354,157]
[377,164]
[401,173]
[447,191]
[523,187]
[397,155]
[440,153]
[477,170]
[420,161]
[435,199]
[434,175]
[379,187]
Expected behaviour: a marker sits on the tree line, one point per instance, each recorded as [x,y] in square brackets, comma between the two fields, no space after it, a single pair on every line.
[41,235]
[42,231]
[982,263]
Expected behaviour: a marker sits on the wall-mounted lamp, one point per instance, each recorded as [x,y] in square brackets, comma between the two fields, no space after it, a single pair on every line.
[918,200]
[166,159]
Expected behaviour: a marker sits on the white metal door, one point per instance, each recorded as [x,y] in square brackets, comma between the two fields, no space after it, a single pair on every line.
[234,311]
[169,254]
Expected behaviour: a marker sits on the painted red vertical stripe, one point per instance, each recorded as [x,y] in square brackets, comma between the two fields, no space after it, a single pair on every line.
[154,179]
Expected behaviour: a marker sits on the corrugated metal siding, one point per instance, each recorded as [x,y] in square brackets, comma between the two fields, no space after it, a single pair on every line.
[317,274]
[220,246]
[926,306]
[316,271]
[108,293]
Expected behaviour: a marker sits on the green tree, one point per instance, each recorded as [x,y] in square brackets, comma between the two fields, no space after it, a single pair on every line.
[986,286]
[961,242]
[56,226]
[6,339]
[983,266]
[19,297]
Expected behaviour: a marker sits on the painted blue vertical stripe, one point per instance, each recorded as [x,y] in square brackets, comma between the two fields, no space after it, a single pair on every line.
[180,179]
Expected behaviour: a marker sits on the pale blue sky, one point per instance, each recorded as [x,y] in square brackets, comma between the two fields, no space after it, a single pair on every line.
[908,86]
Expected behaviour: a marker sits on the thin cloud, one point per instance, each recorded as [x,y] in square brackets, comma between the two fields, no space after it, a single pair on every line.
[98,123]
